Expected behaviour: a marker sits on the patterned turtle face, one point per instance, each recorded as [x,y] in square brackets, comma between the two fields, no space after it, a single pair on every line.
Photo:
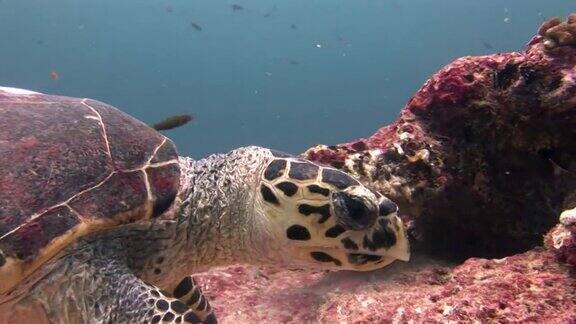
[326,219]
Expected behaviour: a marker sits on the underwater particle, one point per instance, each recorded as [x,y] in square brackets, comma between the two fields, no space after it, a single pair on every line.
[172,122]
[270,12]
[236,7]
[507,19]
[54,75]
[196,26]
[268,73]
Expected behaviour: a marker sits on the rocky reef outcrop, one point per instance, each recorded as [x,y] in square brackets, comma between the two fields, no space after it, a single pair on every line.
[482,162]
[481,159]
[562,238]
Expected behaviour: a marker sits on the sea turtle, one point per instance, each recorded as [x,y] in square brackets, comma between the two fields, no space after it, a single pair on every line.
[102,221]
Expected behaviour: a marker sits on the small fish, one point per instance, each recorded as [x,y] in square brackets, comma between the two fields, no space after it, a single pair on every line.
[487,45]
[292,62]
[172,122]
[54,75]
[196,26]
[270,12]
[293,27]
[169,9]
[236,7]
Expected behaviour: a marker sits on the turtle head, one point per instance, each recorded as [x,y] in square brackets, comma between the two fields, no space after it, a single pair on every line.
[324,218]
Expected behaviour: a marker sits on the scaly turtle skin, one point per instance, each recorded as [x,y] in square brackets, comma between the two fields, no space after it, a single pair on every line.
[102,221]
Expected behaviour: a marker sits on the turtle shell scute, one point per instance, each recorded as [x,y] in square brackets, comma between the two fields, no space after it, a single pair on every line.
[70,167]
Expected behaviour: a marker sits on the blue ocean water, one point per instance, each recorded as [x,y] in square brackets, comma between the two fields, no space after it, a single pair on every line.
[281,74]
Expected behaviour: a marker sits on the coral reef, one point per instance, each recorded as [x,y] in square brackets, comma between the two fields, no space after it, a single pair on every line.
[481,162]
[529,287]
[562,238]
[558,33]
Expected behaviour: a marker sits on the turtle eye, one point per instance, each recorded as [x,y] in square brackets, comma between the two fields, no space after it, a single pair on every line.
[386,207]
[353,212]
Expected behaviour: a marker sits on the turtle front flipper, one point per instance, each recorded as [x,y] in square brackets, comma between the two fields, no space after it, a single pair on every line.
[188,291]
[158,307]
[94,282]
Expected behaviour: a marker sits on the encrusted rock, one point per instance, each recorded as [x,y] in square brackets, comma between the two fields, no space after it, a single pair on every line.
[481,158]
[562,238]
[529,287]
[558,33]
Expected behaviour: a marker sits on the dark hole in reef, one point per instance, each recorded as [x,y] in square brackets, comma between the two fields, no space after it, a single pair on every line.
[359,146]
[337,164]
[559,158]
[546,153]
[493,226]
[503,79]
[458,248]
[555,83]
[468,134]
[529,74]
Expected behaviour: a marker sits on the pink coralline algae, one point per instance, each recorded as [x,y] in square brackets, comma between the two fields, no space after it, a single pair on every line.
[530,287]
[481,162]
[562,238]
